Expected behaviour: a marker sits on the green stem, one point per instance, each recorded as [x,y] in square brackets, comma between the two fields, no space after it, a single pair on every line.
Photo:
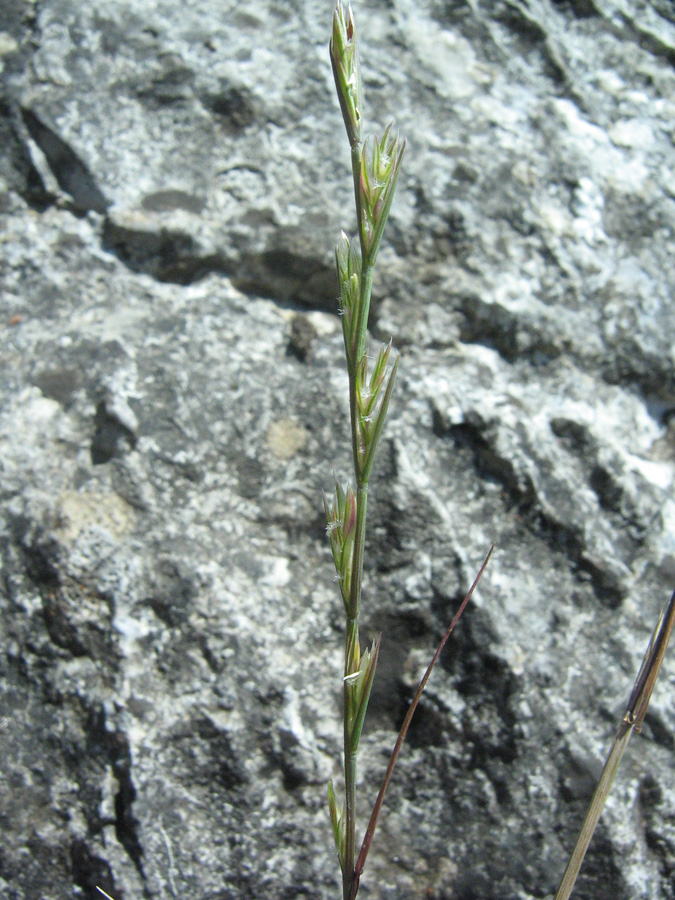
[349,750]
[364,308]
[359,549]
[351,635]
[351,638]
[350,825]
[354,412]
[366,265]
[361,504]
[356,174]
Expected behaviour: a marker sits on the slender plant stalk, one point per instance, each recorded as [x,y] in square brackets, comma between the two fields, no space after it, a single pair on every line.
[375,168]
[632,721]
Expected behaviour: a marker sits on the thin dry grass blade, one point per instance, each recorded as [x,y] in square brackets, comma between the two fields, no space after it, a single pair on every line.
[632,721]
[374,816]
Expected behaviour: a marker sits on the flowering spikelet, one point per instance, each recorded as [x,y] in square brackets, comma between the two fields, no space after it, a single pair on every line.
[372,405]
[359,684]
[348,261]
[344,58]
[341,530]
[380,166]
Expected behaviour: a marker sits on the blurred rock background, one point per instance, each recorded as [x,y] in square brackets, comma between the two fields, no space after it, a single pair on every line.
[173,177]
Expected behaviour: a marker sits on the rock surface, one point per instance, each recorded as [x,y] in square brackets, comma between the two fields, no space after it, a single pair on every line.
[173,177]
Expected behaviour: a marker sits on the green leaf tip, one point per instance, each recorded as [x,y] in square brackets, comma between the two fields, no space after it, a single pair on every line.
[337,818]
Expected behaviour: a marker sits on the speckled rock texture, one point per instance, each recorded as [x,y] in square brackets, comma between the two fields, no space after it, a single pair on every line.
[173,178]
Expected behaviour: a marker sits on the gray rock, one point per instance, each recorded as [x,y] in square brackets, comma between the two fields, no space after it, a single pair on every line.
[172,180]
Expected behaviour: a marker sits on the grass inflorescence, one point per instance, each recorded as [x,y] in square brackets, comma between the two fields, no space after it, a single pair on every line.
[376,163]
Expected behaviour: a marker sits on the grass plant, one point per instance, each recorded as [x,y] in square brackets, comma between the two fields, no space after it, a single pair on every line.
[376,163]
